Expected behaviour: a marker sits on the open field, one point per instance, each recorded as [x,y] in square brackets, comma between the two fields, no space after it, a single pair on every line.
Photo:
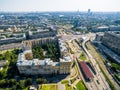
[82,56]
[80,86]
[64,81]
[48,87]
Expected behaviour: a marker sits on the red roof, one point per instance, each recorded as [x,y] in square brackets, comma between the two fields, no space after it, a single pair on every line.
[86,70]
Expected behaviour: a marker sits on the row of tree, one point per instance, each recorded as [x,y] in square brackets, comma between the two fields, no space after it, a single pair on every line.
[10,67]
[13,84]
[11,56]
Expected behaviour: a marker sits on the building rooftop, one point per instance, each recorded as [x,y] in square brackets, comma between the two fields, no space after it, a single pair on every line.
[62,46]
[47,61]
[66,59]
[103,27]
[114,33]
[110,53]
[3,63]
[86,70]
[27,51]
[22,61]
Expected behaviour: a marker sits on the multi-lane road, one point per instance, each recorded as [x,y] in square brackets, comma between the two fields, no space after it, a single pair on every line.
[99,82]
[99,79]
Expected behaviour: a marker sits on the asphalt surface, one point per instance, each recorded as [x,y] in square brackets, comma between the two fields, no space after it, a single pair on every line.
[99,80]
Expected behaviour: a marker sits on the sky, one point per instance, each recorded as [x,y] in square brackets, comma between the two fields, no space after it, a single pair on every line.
[59,5]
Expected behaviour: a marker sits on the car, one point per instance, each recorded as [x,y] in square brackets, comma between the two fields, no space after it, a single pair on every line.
[98,82]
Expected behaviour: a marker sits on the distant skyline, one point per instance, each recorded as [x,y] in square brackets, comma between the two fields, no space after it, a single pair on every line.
[59,5]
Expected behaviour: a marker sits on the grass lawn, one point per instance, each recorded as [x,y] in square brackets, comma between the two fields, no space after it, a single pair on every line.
[72,80]
[80,86]
[64,81]
[68,87]
[25,88]
[4,51]
[49,87]
[82,56]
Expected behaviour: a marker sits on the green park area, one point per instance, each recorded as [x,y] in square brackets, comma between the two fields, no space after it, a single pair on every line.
[66,82]
[80,86]
[9,73]
[72,80]
[46,51]
[68,87]
[48,87]
[115,68]
[10,79]
[82,56]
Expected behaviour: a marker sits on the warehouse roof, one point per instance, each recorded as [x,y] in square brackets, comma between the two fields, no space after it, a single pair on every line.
[86,70]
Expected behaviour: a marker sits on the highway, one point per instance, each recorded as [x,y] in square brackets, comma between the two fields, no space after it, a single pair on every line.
[111,76]
[92,84]
[99,81]
[103,84]
[89,85]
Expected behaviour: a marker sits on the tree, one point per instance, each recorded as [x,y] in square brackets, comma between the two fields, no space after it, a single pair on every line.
[39,81]
[14,87]
[12,82]
[2,83]
[8,55]
[3,74]
[44,81]
[22,84]
[2,57]
[28,82]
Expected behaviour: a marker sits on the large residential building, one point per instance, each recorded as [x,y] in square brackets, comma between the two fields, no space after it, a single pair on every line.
[41,34]
[104,28]
[10,46]
[108,43]
[45,66]
[13,40]
[112,41]
[26,45]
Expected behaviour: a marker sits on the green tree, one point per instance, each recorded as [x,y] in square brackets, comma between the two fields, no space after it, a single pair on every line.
[12,82]
[44,81]
[2,57]
[8,55]
[22,84]
[28,82]
[14,87]
[3,74]
[39,81]
[3,83]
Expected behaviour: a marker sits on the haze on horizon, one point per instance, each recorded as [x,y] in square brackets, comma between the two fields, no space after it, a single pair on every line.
[59,5]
